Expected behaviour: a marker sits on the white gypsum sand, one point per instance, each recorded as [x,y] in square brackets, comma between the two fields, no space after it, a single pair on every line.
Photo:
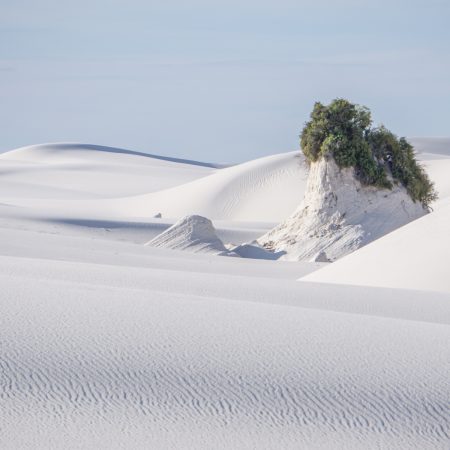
[338,215]
[192,233]
[107,343]
[264,190]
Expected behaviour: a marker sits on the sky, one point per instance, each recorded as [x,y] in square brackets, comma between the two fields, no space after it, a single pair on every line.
[219,81]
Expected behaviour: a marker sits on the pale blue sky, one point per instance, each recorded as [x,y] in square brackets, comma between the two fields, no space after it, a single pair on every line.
[218,81]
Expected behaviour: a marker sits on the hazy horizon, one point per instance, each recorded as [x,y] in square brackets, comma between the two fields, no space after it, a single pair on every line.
[224,82]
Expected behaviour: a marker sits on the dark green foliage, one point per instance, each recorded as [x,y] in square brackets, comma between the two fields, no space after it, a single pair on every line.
[398,155]
[343,131]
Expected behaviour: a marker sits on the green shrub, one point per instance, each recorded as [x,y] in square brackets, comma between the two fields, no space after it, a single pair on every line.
[343,131]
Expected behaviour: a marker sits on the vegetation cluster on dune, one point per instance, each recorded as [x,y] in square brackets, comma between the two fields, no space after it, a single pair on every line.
[343,130]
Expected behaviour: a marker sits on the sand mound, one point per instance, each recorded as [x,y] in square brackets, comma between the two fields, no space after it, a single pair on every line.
[88,172]
[192,233]
[119,183]
[413,257]
[263,190]
[73,151]
[339,215]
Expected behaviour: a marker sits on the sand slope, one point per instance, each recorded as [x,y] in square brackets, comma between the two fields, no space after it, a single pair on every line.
[83,171]
[416,256]
[266,189]
[191,233]
[338,215]
[125,347]
[107,343]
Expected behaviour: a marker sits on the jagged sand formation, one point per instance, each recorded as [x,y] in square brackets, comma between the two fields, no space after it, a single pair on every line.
[339,215]
[192,233]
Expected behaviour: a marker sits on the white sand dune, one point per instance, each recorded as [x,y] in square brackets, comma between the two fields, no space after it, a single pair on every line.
[265,190]
[191,233]
[431,145]
[107,343]
[416,256]
[338,215]
[101,352]
[82,171]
